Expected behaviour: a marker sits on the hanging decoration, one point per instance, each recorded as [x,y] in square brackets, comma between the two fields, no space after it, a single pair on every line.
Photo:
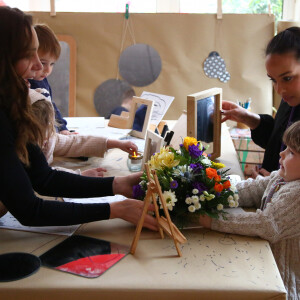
[215,67]
[139,64]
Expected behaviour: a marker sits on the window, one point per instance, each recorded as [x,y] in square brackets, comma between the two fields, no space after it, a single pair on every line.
[153,6]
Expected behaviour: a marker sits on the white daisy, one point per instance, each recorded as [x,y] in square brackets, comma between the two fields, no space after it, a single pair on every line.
[188,200]
[220,206]
[197,205]
[170,198]
[195,191]
[192,208]
[231,203]
[195,199]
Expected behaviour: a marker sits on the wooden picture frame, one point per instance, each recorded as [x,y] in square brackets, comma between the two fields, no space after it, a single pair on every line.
[153,144]
[126,120]
[204,119]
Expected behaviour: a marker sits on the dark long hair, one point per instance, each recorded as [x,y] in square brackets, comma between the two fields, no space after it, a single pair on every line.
[285,41]
[16,38]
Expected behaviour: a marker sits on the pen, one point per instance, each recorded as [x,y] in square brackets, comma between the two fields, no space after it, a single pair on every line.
[165,129]
[166,139]
[171,133]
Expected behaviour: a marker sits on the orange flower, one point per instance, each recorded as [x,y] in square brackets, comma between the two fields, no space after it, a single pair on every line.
[211,173]
[217,178]
[226,184]
[218,187]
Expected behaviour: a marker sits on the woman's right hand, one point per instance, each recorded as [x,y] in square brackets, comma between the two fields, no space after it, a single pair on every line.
[131,210]
[234,112]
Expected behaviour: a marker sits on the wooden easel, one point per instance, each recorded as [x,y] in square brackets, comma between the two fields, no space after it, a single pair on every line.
[165,223]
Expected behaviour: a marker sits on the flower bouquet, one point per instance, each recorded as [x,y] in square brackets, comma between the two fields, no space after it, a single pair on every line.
[191,183]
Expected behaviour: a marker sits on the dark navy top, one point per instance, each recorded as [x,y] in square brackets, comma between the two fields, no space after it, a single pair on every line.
[18,183]
[44,84]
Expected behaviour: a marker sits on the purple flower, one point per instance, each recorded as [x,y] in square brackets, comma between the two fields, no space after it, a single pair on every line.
[196,167]
[174,184]
[200,186]
[138,192]
[195,151]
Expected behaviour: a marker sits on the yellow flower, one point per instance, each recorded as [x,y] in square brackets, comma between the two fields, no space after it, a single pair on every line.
[189,141]
[163,159]
[217,165]
[154,162]
[167,160]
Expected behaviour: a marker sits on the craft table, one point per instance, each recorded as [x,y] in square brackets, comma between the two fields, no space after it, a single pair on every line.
[213,265]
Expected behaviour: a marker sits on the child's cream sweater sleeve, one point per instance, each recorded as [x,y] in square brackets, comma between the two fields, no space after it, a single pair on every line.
[79,145]
[280,219]
[251,191]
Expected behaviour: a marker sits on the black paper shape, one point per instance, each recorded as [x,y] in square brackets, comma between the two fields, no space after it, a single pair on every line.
[18,265]
[84,256]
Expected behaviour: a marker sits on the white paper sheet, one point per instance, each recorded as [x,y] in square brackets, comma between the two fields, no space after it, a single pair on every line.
[8,221]
[108,199]
[95,126]
[161,105]
[85,122]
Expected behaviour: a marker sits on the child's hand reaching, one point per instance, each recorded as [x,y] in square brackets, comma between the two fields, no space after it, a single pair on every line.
[205,221]
[259,171]
[96,172]
[125,145]
[67,132]
[128,147]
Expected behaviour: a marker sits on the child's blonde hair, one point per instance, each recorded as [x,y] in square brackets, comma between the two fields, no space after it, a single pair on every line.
[291,137]
[44,113]
[48,42]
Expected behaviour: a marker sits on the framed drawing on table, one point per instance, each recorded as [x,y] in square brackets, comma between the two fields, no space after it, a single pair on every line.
[138,118]
[204,121]
[153,144]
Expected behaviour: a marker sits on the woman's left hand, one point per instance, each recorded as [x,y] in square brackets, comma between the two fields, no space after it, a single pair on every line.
[123,185]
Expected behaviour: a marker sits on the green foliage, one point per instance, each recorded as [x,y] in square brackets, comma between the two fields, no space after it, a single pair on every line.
[253,7]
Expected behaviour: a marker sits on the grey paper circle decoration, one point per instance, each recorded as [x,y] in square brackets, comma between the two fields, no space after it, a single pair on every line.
[215,67]
[108,95]
[140,64]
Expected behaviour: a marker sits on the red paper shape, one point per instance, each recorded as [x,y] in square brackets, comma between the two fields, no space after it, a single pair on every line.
[91,266]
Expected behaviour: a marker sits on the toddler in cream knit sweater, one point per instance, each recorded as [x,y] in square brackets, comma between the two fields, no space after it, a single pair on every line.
[277,199]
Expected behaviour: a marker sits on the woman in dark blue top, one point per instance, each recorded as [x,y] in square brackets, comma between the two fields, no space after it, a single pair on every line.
[283,69]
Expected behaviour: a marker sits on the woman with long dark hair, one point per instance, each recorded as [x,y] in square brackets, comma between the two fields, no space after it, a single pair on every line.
[23,166]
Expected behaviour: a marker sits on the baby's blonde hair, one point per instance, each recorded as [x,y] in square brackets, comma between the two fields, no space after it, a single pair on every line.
[291,137]
[44,113]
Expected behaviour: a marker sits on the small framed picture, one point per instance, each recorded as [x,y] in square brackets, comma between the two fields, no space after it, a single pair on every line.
[204,119]
[153,143]
[138,118]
